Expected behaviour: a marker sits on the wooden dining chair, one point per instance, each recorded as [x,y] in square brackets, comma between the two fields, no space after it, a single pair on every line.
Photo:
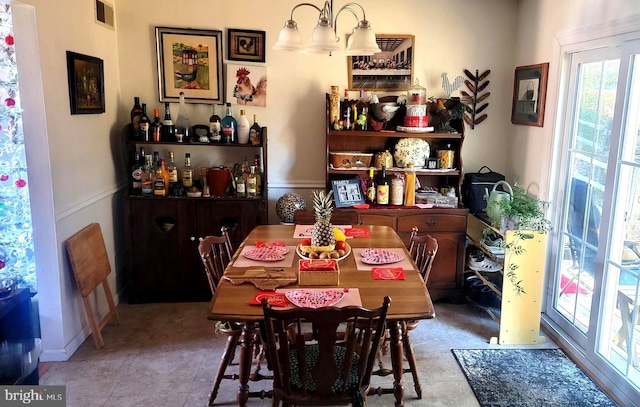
[216,253]
[423,249]
[326,366]
[338,217]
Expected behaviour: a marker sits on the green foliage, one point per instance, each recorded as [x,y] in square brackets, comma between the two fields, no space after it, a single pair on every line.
[525,211]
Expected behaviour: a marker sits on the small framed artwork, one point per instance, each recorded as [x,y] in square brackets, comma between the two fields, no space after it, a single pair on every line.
[85,75]
[189,61]
[246,45]
[529,94]
[347,192]
[389,70]
[247,84]
[432,163]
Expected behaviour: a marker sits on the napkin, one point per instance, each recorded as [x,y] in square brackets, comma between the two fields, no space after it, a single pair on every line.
[274,299]
[279,243]
[388,273]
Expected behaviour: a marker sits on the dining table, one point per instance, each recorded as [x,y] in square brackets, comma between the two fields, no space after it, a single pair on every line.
[234,298]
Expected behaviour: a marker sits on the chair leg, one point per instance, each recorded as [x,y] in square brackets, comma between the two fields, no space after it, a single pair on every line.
[408,350]
[225,360]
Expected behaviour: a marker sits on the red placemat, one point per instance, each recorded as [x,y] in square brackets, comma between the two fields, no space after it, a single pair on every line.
[388,273]
[357,232]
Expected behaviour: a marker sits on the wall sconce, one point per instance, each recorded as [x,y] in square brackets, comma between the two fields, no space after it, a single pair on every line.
[324,38]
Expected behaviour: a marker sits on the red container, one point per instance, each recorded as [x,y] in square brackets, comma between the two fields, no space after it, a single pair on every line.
[416,121]
[219,179]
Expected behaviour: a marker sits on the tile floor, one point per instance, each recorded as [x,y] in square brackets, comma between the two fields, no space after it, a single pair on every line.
[167,354]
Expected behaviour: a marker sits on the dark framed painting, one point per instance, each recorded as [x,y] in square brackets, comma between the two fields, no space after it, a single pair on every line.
[389,70]
[529,94]
[347,192]
[86,83]
[245,45]
[189,61]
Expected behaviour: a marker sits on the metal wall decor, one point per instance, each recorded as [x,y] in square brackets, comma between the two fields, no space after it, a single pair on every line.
[476,85]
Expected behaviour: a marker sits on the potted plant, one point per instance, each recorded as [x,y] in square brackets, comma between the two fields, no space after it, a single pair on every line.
[522,212]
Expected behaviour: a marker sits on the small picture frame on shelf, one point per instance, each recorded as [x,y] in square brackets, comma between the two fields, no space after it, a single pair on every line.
[432,164]
[347,192]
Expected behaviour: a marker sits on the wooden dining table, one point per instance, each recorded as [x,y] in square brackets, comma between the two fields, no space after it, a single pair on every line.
[410,299]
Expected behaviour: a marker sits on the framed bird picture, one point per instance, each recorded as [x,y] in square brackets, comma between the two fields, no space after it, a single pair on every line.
[245,45]
[190,61]
[247,84]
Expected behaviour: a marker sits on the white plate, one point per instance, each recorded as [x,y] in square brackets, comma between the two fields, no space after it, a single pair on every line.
[415,129]
[304,256]
[314,298]
[379,256]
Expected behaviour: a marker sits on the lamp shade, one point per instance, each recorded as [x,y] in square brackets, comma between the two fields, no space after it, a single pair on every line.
[362,41]
[289,38]
[323,39]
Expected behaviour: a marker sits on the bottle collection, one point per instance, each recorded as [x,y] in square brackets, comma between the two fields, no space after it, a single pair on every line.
[152,175]
[226,129]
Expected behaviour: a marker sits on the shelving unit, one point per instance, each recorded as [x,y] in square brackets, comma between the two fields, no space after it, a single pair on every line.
[522,280]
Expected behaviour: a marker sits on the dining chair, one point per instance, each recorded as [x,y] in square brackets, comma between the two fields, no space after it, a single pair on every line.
[216,253]
[423,249]
[327,366]
[338,217]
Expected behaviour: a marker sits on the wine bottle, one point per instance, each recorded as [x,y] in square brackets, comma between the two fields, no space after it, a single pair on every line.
[255,132]
[370,194]
[252,183]
[156,126]
[168,129]
[187,173]
[183,125]
[136,175]
[144,124]
[243,128]
[214,127]
[256,163]
[382,188]
[136,115]
[229,126]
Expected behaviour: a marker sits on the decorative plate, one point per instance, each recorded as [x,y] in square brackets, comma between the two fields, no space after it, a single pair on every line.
[314,298]
[388,273]
[275,246]
[264,254]
[379,256]
[411,150]
[274,299]
[347,253]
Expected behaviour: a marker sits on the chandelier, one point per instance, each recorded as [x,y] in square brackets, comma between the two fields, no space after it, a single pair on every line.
[324,39]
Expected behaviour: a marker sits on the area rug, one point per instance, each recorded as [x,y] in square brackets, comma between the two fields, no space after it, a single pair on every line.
[528,377]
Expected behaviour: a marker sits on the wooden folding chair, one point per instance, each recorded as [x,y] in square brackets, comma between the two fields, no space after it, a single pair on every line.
[90,265]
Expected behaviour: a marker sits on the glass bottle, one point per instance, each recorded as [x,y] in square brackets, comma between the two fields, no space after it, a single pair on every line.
[172,170]
[252,183]
[229,126]
[214,127]
[382,188]
[243,128]
[136,175]
[256,163]
[370,193]
[156,126]
[183,125]
[334,106]
[410,186]
[397,191]
[187,172]
[241,186]
[148,176]
[168,129]
[159,184]
[255,132]
[144,124]
[136,115]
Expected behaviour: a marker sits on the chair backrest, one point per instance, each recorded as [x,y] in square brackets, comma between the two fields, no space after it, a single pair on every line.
[423,249]
[215,252]
[338,217]
[583,224]
[329,366]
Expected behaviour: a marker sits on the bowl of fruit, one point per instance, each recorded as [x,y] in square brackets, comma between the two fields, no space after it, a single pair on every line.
[341,250]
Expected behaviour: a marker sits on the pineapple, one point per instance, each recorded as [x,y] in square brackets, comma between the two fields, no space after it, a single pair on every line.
[322,234]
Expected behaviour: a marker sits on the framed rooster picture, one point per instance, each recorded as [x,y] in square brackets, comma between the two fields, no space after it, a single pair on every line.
[245,45]
[247,84]
[189,61]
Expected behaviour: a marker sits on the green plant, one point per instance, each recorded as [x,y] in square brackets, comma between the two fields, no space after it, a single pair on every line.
[523,211]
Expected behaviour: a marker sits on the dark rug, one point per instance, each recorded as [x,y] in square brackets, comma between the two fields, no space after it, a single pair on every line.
[528,377]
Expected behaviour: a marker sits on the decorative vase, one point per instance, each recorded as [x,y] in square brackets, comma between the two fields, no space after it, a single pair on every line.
[287,204]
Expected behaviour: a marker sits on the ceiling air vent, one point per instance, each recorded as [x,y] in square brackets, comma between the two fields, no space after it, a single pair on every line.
[104,14]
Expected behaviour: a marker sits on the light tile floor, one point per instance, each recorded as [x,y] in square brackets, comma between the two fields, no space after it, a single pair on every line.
[167,355]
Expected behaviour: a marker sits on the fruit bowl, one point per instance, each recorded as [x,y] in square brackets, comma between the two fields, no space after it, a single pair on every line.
[306,256]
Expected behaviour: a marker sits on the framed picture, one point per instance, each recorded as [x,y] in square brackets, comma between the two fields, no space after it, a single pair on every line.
[529,94]
[189,61]
[86,83]
[389,70]
[245,45]
[347,192]
[247,84]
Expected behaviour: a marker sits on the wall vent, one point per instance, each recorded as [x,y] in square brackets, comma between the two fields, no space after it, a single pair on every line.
[105,15]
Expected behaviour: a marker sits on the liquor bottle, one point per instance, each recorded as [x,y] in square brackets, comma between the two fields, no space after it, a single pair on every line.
[410,186]
[187,172]
[183,125]
[156,126]
[156,160]
[241,184]
[148,176]
[159,185]
[252,183]
[255,132]
[370,193]
[229,126]
[144,124]
[382,188]
[256,163]
[214,127]
[168,129]
[243,128]
[136,175]
[172,170]
[136,115]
